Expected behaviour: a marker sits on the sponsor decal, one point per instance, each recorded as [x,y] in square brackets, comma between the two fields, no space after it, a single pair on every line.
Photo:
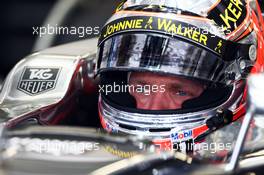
[38,80]
[120,153]
[229,14]
[165,26]
[181,136]
[120,6]
[111,128]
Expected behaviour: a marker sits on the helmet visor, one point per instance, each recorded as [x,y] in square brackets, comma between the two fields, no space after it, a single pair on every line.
[161,54]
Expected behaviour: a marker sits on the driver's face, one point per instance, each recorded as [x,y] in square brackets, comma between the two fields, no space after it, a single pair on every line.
[175,90]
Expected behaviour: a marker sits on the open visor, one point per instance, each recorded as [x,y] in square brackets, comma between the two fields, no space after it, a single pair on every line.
[162,54]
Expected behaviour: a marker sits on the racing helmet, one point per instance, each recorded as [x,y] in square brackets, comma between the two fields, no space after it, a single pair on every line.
[210,42]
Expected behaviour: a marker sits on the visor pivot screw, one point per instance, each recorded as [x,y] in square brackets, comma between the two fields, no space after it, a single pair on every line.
[242,65]
[252,53]
[220,111]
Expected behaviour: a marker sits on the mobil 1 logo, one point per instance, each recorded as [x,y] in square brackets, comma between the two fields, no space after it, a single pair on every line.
[38,80]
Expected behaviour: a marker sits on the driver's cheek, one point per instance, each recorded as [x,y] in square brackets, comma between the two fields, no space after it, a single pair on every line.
[158,101]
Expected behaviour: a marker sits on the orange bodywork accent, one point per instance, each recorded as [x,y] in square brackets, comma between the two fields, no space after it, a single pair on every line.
[247,32]
[102,121]
[213,6]
[163,144]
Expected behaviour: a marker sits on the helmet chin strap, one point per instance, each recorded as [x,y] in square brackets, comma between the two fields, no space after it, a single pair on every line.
[222,118]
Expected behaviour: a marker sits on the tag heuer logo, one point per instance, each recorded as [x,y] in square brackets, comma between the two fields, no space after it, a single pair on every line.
[37,80]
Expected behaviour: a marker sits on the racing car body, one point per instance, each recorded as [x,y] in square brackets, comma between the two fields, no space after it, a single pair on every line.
[42,88]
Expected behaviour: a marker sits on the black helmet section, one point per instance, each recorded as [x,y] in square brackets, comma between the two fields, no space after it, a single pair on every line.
[113,89]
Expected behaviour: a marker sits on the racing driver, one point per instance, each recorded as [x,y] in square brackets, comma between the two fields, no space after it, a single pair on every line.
[177,69]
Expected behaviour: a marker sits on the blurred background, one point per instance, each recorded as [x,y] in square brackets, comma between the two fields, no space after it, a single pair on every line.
[18,17]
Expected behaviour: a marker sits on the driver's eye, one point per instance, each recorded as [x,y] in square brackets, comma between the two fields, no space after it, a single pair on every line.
[178,91]
[144,91]
[182,93]
[141,91]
